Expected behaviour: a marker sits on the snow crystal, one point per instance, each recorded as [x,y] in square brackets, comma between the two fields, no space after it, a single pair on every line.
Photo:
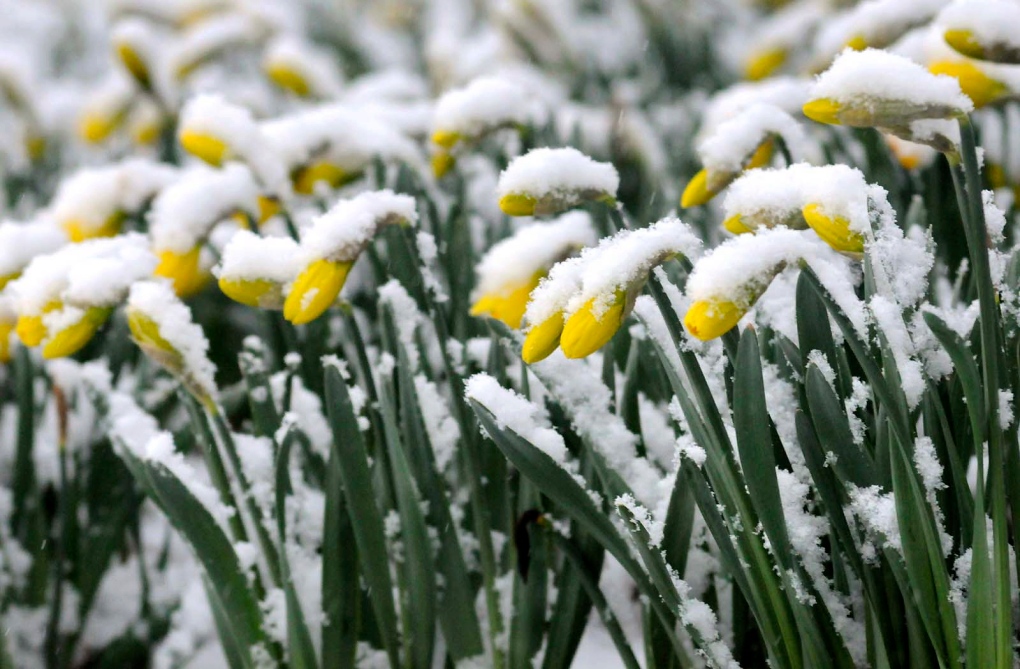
[877,511]
[249,256]
[1006,404]
[443,431]
[877,22]
[515,413]
[733,141]
[406,317]
[991,21]
[342,233]
[21,242]
[483,105]
[546,171]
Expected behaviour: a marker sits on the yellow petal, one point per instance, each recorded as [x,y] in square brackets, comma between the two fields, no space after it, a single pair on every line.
[763,63]
[252,292]
[542,339]
[5,341]
[858,43]
[305,178]
[30,327]
[584,333]
[72,338]
[974,83]
[268,207]
[288,79]
[735,225]
[315,289]
[707,320]
[762,155]
[212,150]
[834,230]
[964,42]
[184,270]
[509,304]
[823,110]
[697,193]
[445,138]
[517,204]
[146,334]
[78,230]
[442,163]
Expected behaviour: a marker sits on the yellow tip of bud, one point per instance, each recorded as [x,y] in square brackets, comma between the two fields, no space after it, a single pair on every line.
[79,231]
[268,207]
[858,43]
[833,230]
[134,64]
[823,110]
[252,292]
[288,79]
[72,338]
[306,177]
[542,339]
[30,329]
[584,333]
[974,83]
[315,289]
[184,270]
[509,304]
[211,149]
[964,42]
[446,138]
[145,332]
[697,192]
[735,225]
[517,204]
[706,320]
[5,342]
[764,63]
[7,278]
[442,163]
[94,127]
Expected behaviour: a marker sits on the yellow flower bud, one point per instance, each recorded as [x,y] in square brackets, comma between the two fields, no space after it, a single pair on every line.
[823,110]
[764,63]
[707,184]
[306,177]
[30,327]
[314,290]
[212,150]
[734,225]
[71,338]
[184,269]
[965,42]
[94,127]
[288,79]
[446,139]
[696,193]
[586,332]
[833,230]
[507,305]
[975,84]
[78,231]
[261,293]
[517,204]
[6,329]
[707,320]
[134,64]
[542,339]
[442,163]
[858,42]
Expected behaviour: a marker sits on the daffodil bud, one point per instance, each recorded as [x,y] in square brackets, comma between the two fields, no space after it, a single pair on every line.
[874,88]
[301,68]
[206,40]
[744,142]
[105,109]
[547,181]
[94,202]
[466,115]
[779,37]
[975,82]
[8,321]
[513,268]
[333,243]
[134,43]
[63,298]
[983,29]
[254,270]
[768,198]
[162,327]
[875,24]
[584,300]
[836,206]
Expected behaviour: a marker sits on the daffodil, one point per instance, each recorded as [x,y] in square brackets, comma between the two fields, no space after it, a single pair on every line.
[288,78]
[205,146]
[542,339]
[834,230]
[707,184]
[304,178]
[314,290]
[78,230]
[507,305]
[548,181]
[94,126]
[589,328]
[765,63]
[134,63]
[70,337]
[442,163]
[6,330]
[983,30]
[709,319]
[184,270]
[975,83]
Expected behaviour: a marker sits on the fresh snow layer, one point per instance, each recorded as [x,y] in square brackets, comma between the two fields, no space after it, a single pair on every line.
[343,232]
[548,171]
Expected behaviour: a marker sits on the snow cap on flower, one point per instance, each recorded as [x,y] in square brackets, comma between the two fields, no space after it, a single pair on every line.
[584,300]
[979,81]
[484,105]
[837,207]
[333,243]
[206,40]
[511,269]
[93,202]
[873,23]
[21,242]
[63,298]
[766,198]
[729,279]
[254,270]
[983,29]
[547,181]
[162,327]
[779,36]
[745,141]
[105,108]
[300,67]
[873,88]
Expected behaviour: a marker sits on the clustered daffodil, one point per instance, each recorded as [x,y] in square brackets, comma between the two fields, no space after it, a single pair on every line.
[548,181]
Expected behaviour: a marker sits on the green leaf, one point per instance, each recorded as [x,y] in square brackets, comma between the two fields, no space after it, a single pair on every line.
[852,462]
[341,592]
[966,370]
[369,532]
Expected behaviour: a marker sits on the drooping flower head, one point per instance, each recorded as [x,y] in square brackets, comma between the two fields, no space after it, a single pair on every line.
[255,270]
[106,108]
[874,24]
[744,142]
[983,29]
[766,198]
[298,66]
[547,181]
[513,268]
[21,242]
[162,327]
[584,300]
[94,202]
[873,88]
[63,298]
[778,38]
[333,243]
